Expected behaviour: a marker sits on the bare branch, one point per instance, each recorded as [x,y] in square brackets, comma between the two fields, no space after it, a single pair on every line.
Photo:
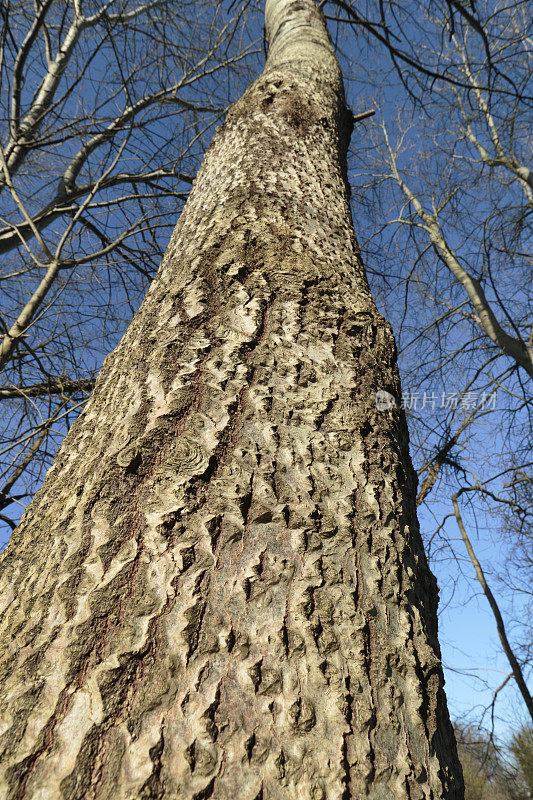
[485,317]
[54,386]
[480,575]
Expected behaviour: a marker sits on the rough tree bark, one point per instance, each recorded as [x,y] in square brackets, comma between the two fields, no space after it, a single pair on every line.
[221,590]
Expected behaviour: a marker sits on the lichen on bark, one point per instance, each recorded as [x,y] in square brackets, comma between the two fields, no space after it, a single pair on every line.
[221,590]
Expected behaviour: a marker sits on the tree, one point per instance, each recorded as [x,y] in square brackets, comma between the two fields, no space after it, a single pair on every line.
[522,751]
[488,775]
[221,587]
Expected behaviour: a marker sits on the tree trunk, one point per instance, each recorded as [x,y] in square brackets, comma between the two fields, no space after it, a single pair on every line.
[221,590]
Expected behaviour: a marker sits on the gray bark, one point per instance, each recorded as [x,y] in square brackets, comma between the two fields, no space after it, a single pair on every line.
[221,590]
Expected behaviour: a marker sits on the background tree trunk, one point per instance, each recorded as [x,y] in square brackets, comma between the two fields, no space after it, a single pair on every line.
[221,591]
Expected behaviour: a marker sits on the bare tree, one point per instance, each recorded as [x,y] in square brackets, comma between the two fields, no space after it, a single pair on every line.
[452,199]
[488,771]
[221,588]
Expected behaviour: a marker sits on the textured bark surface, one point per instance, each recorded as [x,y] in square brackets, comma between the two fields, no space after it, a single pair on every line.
[221,591]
